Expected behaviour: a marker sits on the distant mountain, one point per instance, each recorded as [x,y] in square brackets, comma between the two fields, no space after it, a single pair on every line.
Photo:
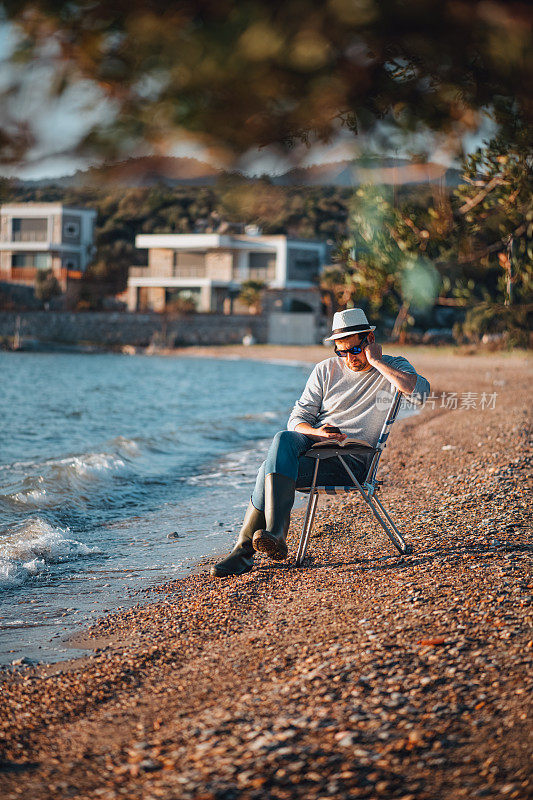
[337,173]
[147,171]
[393,171]
[153,170]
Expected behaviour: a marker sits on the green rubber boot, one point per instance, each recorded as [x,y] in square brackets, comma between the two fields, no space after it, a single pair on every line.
[241,558]
[279,499]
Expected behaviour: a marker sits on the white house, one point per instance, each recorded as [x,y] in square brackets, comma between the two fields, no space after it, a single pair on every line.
[209,268]
[43,236]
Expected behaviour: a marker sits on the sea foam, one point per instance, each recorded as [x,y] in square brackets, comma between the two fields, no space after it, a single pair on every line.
[55,480]
[30,547]
[88,464]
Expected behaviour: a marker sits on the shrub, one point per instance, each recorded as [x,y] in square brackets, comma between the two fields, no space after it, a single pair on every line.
[511,323]
[46,286]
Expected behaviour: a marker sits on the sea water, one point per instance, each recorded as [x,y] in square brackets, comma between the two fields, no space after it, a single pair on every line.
[120,472]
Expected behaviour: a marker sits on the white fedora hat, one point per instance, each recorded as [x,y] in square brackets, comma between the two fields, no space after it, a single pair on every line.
[348,322]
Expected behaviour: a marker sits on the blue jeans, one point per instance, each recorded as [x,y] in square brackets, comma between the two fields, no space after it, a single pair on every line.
[285,457]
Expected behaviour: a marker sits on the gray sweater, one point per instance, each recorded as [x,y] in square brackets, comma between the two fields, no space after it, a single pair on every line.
[356,402]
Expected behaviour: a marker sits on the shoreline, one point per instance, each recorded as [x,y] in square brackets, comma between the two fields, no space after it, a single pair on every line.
[282,354]
[416,684]
[303,354]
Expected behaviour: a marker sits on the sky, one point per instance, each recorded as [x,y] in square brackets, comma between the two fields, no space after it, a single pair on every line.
[71,117]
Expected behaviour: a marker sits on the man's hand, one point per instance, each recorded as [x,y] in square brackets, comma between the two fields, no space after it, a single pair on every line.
[330,432]
[324,432]
[373,353]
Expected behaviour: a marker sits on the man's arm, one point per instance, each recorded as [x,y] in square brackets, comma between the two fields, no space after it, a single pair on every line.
[405,382]
[305,412]
[403,376]
[324,432]
[307,408]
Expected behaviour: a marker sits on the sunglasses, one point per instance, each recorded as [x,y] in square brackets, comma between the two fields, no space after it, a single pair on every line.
[355,350]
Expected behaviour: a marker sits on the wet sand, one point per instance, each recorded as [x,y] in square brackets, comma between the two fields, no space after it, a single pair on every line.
[362,674]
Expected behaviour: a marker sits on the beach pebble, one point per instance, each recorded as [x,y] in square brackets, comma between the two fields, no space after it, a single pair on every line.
[23,662]
[345,739]
[149,765]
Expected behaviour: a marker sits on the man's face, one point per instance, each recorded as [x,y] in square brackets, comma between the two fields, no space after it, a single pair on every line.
[359,362]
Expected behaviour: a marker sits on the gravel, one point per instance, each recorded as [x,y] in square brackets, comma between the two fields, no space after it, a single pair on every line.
[362,674]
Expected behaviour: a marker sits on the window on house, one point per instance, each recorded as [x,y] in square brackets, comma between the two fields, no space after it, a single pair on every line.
[72,228]
[31,260]
[188,265]
[262,267]
[182,298]
[29,229]
[71,261]
[302,265]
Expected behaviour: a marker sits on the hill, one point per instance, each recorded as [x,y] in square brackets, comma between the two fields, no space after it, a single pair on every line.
[169,171]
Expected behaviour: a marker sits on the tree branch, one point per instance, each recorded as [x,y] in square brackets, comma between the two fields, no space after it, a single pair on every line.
[496,181]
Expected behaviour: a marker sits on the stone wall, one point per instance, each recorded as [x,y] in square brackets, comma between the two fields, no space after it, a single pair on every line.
[114,328]
[160,263]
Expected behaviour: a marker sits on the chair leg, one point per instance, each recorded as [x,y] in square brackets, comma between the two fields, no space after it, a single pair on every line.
[313,510]
[307,528]
[389,531]
[308,521]
[393,533]
[405,549]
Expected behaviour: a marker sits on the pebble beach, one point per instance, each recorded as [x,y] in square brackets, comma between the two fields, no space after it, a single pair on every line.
[362,674]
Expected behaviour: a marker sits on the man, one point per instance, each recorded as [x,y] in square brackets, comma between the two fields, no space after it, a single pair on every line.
[341,399]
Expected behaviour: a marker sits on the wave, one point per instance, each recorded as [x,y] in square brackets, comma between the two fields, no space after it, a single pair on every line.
[31,497]
[87,465]
[277,362]
[263,415]
[129,447]
[47,482]
[232,469]
[29,548]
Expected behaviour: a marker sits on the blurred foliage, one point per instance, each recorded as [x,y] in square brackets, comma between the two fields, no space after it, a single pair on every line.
[251,293]
[474,246]
[507,325]
[181,305]
[46,285]
[389,258]
[496,210]
[237,75]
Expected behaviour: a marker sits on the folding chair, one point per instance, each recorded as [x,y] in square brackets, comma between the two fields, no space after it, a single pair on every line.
[367,490]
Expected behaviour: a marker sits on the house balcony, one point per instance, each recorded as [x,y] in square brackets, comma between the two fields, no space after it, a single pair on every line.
[29,274]
[24,274]
[43,245]
[29,236]
[189,271]
[139,272]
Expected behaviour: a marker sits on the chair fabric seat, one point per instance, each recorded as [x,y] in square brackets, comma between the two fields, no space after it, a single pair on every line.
[330,471]
[331,489]
[325,452]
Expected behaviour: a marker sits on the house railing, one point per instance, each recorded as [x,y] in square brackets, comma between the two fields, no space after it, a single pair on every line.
[26,274]
[181,271]
[186,271]
[138,272]
[29,236]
